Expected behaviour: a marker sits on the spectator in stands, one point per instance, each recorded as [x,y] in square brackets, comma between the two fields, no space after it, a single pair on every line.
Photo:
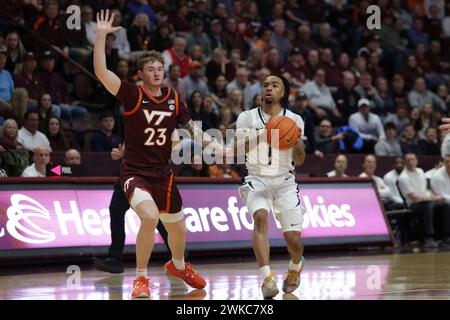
[440,180]
[16,51]
[296,67]
[200,12]
[233,64]
[44,109]
[416,34]
[430,146]
[304,40]
[389,145]
[56,135]
[279,39]
[90,26]
[321,100]
[196,108]
[385,94]
[216,66]
[160,39]
[234,103]
[301,107]
[219,92]
[216,38]
[27,79]
[29,136]
[391,178]
[273,62]
[411,71]
[181,24]
[41,157]
[424,204]
[6,81]
[139,33]
[420,95]
[325,141]
[312,64]
[176,55]
[346,97]
[193,82]
[443,93]
[57,88]
[325,39]
[198,37]
[121,42]
[14,158]
[72,156]
[255,61]
[399,119]
[52,28]
[366,90]
[241,82]
[105,140]
[334,75]
[399,93]
[439,62]
[409,140]
[340,166]
[367,124]
[173,80]
[369,166]
[233,37]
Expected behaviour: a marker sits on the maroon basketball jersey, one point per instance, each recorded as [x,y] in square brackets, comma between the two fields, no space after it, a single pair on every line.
[149,124]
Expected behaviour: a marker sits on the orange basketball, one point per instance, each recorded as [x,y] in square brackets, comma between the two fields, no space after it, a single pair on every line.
[288,132]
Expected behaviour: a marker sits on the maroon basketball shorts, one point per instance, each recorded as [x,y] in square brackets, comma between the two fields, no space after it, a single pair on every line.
[162,189]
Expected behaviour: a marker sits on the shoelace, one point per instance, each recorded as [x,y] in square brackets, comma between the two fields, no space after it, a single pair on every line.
[189,271]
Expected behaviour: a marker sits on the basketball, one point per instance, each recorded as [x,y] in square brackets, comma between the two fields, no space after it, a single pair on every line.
[288,131]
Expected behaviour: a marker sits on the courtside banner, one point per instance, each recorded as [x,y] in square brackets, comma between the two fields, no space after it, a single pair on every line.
[59,216]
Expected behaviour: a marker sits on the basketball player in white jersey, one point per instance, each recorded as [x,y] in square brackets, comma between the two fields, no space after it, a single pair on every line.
[270,185]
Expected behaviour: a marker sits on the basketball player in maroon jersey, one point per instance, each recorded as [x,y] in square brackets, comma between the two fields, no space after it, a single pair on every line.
[151,115]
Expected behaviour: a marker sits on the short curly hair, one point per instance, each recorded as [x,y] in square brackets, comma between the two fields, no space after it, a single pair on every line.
[149,56]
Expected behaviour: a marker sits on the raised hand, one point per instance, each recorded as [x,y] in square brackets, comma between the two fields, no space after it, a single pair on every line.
[104,23]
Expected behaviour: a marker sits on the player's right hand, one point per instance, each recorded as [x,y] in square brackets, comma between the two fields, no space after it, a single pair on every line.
[117,153]
[104,22]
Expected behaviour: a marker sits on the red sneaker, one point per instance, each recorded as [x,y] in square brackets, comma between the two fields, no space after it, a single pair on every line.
[141,288]
[189,275]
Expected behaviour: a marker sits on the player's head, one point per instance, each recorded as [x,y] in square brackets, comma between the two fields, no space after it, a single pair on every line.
[276,90]
[151,68]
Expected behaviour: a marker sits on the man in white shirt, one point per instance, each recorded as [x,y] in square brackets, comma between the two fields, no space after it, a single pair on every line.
[320,98]
[445,148]
[423,203]
[369,166]
[367,124]
[340,165]
[440,180]
[29,136]
[41,158]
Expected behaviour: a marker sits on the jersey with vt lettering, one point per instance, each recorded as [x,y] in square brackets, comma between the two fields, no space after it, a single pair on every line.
[149,124]
[264,160]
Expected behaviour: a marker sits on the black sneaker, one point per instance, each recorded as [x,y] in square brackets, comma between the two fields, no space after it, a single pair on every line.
[430,243]
[112,265]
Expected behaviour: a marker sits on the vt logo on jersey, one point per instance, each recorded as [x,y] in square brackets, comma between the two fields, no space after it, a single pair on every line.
[155,118]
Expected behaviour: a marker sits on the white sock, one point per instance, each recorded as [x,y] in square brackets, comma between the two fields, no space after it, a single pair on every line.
[295,267]
[179,264]
[141,273]
[264,271]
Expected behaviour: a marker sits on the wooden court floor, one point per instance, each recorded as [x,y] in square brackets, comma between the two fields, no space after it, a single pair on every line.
[423,275]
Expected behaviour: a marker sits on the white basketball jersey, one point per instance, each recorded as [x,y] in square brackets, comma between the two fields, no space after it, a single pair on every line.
[264,160]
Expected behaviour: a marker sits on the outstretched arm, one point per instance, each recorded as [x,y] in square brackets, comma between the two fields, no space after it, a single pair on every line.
[108,78]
